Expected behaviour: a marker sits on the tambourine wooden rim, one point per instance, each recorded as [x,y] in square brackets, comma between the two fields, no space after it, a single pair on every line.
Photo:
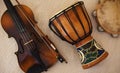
[100,24]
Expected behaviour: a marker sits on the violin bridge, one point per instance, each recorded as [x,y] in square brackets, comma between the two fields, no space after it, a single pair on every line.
[28,42]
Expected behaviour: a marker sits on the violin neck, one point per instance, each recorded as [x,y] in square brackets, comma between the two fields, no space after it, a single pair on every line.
[15,16]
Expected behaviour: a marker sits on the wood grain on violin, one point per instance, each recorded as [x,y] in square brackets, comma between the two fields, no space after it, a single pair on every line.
[35,53]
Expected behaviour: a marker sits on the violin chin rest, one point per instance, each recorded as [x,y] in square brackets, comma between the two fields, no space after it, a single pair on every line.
[36,68]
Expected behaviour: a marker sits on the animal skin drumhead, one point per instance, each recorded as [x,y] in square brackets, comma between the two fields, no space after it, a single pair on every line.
[108,16]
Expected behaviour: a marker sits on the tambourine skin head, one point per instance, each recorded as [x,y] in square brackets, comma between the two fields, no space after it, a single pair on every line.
[107,16]
[74,26]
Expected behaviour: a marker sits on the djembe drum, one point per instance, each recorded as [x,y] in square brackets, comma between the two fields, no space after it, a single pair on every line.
[74,26]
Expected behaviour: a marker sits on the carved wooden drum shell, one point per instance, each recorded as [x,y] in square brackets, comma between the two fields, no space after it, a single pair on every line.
[72,24]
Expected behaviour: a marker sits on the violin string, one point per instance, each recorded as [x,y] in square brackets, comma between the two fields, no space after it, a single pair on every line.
[30,45]
[32,24]
[22,34]
[15,18]
[21,29]
[26,38]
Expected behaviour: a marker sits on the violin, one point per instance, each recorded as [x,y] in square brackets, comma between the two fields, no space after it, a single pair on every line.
[36,53]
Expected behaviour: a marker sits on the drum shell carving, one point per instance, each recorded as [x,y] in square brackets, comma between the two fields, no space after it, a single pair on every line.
[74,26]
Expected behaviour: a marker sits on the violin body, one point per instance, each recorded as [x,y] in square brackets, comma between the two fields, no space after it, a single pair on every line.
[24,55]
[34,54]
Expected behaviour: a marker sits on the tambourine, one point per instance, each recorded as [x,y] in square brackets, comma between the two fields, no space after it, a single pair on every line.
[74,26]
[107,15]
